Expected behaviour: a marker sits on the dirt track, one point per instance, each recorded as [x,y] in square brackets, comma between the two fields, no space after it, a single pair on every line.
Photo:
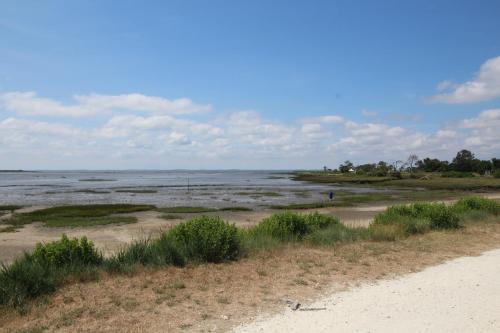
[462,295]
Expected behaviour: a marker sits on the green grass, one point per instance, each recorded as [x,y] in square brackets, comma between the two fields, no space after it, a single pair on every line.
[135,191]
[90,191]
[197,209]
[428,181]
[210,239]
[78,215]
[235,209]
[89,221]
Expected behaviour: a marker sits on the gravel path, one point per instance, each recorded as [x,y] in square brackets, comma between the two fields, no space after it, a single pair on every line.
[462,295]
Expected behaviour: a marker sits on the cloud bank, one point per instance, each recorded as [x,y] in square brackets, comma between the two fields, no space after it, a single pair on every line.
[140,131]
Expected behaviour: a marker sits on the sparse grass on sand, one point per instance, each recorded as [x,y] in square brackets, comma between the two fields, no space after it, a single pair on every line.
[78,215]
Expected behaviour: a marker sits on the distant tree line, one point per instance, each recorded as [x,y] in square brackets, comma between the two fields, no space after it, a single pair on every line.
[463,162]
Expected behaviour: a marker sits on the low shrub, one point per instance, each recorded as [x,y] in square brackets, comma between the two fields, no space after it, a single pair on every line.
[147,252]
[496,174]
[66,252]
[284,226]
[315,221]
[207,239]
[26,278]
[476,203]
[419,217]
[46,268]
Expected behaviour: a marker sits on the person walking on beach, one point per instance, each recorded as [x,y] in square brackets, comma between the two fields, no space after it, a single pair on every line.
[330,195]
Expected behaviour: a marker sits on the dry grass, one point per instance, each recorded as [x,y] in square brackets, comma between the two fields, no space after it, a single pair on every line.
[219,296]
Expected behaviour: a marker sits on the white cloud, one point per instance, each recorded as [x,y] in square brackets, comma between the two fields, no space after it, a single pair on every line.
[485,86]
[176,138]
[243,139]
[28,103]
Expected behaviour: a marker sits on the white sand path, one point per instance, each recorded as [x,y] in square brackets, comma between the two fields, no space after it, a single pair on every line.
[462,295]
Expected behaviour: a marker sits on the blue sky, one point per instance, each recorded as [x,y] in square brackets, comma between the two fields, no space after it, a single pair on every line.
[245,84]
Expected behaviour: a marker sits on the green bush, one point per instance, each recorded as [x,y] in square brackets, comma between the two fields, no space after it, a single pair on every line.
[496,174]
[25,279]
[65,252]
[419,217]
[207,239]
[46,268]
[315,221]
[284,226]
[476,203]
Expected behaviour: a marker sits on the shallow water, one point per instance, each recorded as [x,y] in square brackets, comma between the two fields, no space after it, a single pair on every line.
[162,188]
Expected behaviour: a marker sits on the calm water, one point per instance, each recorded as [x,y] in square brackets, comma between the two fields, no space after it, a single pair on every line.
[161,188]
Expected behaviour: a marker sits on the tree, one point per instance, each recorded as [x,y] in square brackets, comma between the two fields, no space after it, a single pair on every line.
[432,165]
[412,159]
[464,161]
[346,166]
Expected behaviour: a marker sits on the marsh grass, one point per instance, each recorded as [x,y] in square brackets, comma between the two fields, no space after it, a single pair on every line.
[262,194]
[79,215]
[138,191]
[10,208]
[170,217]
[198,209]
[90,191]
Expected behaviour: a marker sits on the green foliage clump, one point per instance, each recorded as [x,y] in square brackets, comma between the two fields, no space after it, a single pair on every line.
[147,252]
[496,174]
[66,252]
[418,217]
[45,269]
[477,203]
[284,226]
[206,239]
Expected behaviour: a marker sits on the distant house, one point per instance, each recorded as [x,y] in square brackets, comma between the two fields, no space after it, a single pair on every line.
[351,170]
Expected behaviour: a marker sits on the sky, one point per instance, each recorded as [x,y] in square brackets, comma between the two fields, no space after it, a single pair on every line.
[246,84]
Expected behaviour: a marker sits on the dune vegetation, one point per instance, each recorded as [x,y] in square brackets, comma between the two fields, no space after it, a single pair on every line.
[209,239]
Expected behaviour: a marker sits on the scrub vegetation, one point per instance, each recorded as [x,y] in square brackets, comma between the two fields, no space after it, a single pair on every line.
[209,239]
